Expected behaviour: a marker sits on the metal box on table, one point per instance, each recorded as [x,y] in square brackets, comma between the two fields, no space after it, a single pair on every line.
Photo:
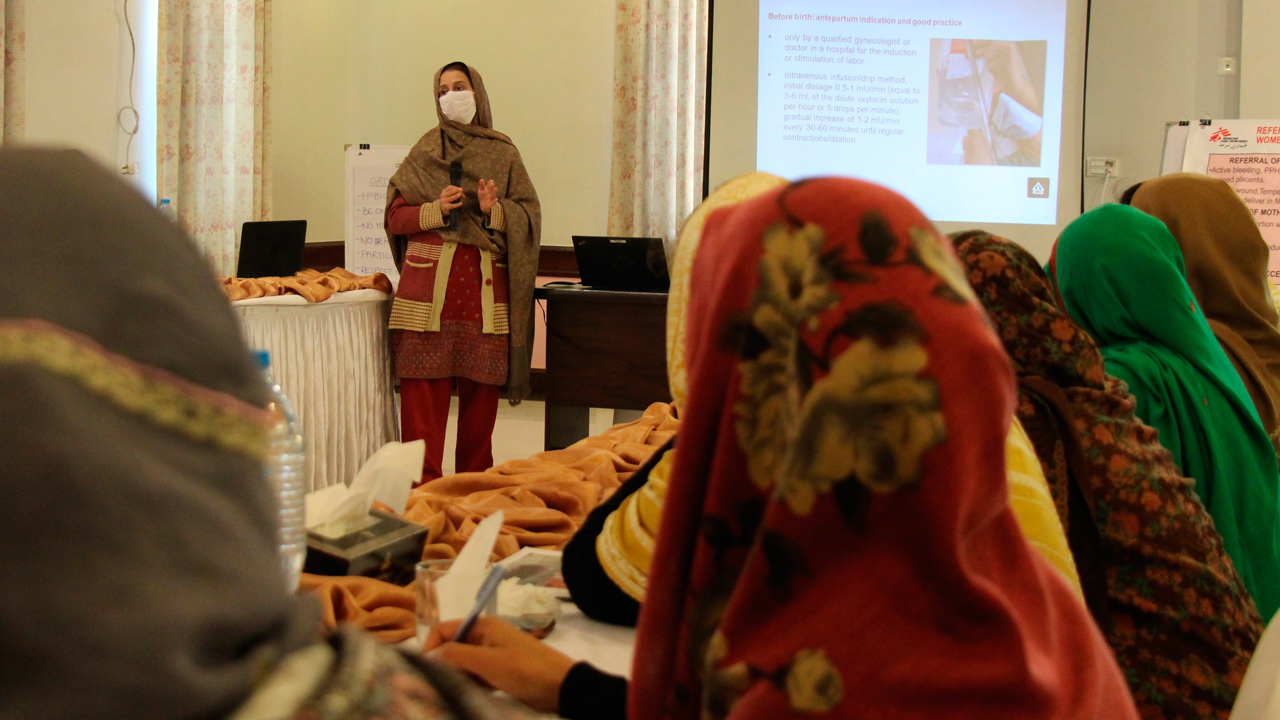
[385,547]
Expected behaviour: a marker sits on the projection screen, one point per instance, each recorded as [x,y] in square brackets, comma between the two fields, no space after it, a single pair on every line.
[973,109]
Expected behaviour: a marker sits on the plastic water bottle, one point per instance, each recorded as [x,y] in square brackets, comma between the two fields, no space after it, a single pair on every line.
[286,476]
[166,209]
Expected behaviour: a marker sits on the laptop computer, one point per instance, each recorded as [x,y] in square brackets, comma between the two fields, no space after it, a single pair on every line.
[271,249]
[622,263]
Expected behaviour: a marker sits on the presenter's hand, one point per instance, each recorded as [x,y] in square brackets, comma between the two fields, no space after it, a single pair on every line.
[450,198]
[506,658]
[488,193]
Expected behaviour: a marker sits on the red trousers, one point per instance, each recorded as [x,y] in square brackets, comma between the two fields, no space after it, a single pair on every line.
[424,414]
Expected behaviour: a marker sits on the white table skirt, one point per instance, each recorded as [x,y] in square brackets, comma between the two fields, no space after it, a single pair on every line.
[333,361]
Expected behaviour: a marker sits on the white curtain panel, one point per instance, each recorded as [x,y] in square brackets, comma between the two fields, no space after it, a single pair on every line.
[214,144]
[659,115]
[14,112]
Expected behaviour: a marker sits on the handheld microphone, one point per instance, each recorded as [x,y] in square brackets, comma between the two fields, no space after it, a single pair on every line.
[455,179]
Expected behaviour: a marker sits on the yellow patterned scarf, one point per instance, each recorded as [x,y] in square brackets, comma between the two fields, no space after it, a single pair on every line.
[735,191]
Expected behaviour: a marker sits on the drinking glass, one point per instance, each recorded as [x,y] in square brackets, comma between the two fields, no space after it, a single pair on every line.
[427,603]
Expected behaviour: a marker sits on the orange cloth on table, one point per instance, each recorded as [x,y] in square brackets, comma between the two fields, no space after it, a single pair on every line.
[544,498]
[312,285]
[383,609]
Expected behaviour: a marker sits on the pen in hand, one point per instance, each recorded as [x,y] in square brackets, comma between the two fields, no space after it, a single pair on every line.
[487,590]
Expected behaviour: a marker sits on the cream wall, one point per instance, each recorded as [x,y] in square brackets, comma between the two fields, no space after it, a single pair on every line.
[1150,62]
[350,71]
[77,78]
[1260,61]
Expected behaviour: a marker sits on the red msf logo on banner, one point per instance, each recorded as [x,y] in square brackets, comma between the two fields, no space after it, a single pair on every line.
[1221,134]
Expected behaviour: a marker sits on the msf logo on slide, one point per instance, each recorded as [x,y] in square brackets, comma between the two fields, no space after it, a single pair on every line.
[1224,138]
[1038,187]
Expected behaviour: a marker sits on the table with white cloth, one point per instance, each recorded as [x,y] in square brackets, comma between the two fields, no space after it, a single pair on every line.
[332,359]
[608,647]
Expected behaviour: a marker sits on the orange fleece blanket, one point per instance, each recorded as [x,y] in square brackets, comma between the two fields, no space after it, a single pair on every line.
[544,500]
[313,285]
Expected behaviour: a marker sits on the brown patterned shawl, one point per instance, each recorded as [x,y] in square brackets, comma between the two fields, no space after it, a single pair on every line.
[1157,578]
[486,154]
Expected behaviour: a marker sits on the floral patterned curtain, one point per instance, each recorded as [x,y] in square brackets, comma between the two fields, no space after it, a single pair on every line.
[214,145]
[659,111]
[13,98]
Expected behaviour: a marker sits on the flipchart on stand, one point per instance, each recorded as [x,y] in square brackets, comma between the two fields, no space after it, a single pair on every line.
[369,170]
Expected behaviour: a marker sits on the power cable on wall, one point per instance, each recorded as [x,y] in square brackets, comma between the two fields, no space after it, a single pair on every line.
[1102,194]
[130,167]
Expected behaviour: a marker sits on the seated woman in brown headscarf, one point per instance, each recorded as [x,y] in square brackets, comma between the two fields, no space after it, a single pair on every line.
[1227,262]
[1155,573]
[140,575]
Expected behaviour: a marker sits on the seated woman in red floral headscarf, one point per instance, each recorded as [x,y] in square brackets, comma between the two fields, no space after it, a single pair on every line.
[836,535]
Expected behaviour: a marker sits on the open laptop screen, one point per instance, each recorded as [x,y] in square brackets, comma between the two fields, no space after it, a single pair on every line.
[618,263]
[271,249]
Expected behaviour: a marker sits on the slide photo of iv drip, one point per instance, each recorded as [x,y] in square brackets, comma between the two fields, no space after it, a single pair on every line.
[986,102]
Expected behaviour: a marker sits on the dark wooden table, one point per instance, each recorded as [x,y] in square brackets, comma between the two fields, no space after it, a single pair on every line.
[605,349]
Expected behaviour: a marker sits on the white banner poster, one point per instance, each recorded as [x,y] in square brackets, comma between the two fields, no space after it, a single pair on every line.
[1245,153]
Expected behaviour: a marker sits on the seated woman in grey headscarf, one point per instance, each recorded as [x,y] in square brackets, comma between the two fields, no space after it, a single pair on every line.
[140,575]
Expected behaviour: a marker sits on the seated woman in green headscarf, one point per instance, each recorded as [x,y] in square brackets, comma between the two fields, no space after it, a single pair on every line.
[1120,275]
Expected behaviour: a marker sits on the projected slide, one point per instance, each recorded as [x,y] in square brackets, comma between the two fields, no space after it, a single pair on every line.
[957,104]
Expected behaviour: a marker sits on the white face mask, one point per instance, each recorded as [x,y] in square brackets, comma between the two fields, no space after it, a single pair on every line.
[459,106]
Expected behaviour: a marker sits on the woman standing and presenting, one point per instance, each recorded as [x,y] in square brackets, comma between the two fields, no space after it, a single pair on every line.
[463,310]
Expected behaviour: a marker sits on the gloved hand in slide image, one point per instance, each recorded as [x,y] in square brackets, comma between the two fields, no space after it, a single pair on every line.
[1016,112]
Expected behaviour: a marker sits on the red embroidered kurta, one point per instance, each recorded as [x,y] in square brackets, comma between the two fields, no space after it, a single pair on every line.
[461,347]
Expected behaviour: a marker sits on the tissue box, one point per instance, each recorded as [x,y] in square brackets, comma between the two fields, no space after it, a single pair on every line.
[386,548]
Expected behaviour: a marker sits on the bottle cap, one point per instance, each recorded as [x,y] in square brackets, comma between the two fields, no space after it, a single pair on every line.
[263,357]
[164,201]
